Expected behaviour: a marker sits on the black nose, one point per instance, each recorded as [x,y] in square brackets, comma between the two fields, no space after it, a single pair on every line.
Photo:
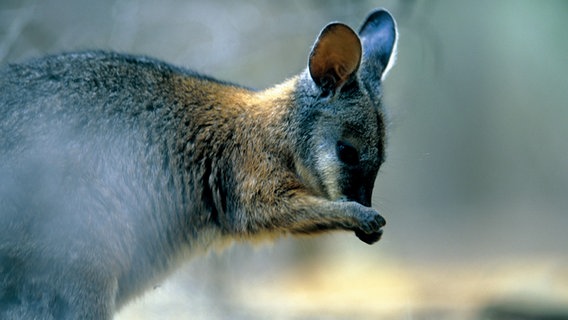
[365,202]
[359,188]
[362,198]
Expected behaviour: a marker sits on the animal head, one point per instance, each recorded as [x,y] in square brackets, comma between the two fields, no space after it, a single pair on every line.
[341,129]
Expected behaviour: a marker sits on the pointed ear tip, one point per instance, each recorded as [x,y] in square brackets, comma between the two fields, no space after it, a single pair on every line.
[381,13]
[338,26]
[379,16]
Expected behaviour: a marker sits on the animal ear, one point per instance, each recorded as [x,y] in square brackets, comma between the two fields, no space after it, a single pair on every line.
[335,57]
[379,37]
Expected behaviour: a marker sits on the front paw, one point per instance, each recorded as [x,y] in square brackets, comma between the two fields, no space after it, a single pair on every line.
[369,229]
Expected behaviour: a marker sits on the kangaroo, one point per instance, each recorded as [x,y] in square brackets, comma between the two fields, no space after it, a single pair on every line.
[116,168]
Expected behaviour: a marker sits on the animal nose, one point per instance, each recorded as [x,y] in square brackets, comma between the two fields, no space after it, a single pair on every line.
[362,196]
[365,201]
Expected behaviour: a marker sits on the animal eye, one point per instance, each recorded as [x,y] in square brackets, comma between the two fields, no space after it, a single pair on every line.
[347,153]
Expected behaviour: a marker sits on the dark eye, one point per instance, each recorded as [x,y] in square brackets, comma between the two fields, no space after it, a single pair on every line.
[347,153]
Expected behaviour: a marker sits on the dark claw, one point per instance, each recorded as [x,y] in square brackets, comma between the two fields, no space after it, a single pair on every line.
[369,238]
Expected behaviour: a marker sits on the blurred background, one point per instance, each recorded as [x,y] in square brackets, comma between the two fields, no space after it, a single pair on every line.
[475,187]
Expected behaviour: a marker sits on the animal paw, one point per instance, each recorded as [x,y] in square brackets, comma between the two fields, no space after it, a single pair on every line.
[370,226]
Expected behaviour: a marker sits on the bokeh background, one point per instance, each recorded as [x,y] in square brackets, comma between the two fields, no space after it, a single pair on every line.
[475,187]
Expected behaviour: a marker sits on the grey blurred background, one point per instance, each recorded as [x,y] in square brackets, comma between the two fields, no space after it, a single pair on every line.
[475,187]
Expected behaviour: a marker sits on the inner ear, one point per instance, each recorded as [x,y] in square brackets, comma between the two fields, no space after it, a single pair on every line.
[335,57]
[379,37]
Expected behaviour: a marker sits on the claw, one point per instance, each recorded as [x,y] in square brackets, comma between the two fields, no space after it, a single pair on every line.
[369,238]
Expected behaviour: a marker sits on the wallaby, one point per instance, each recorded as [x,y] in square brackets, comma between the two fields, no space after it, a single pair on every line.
[115,168]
